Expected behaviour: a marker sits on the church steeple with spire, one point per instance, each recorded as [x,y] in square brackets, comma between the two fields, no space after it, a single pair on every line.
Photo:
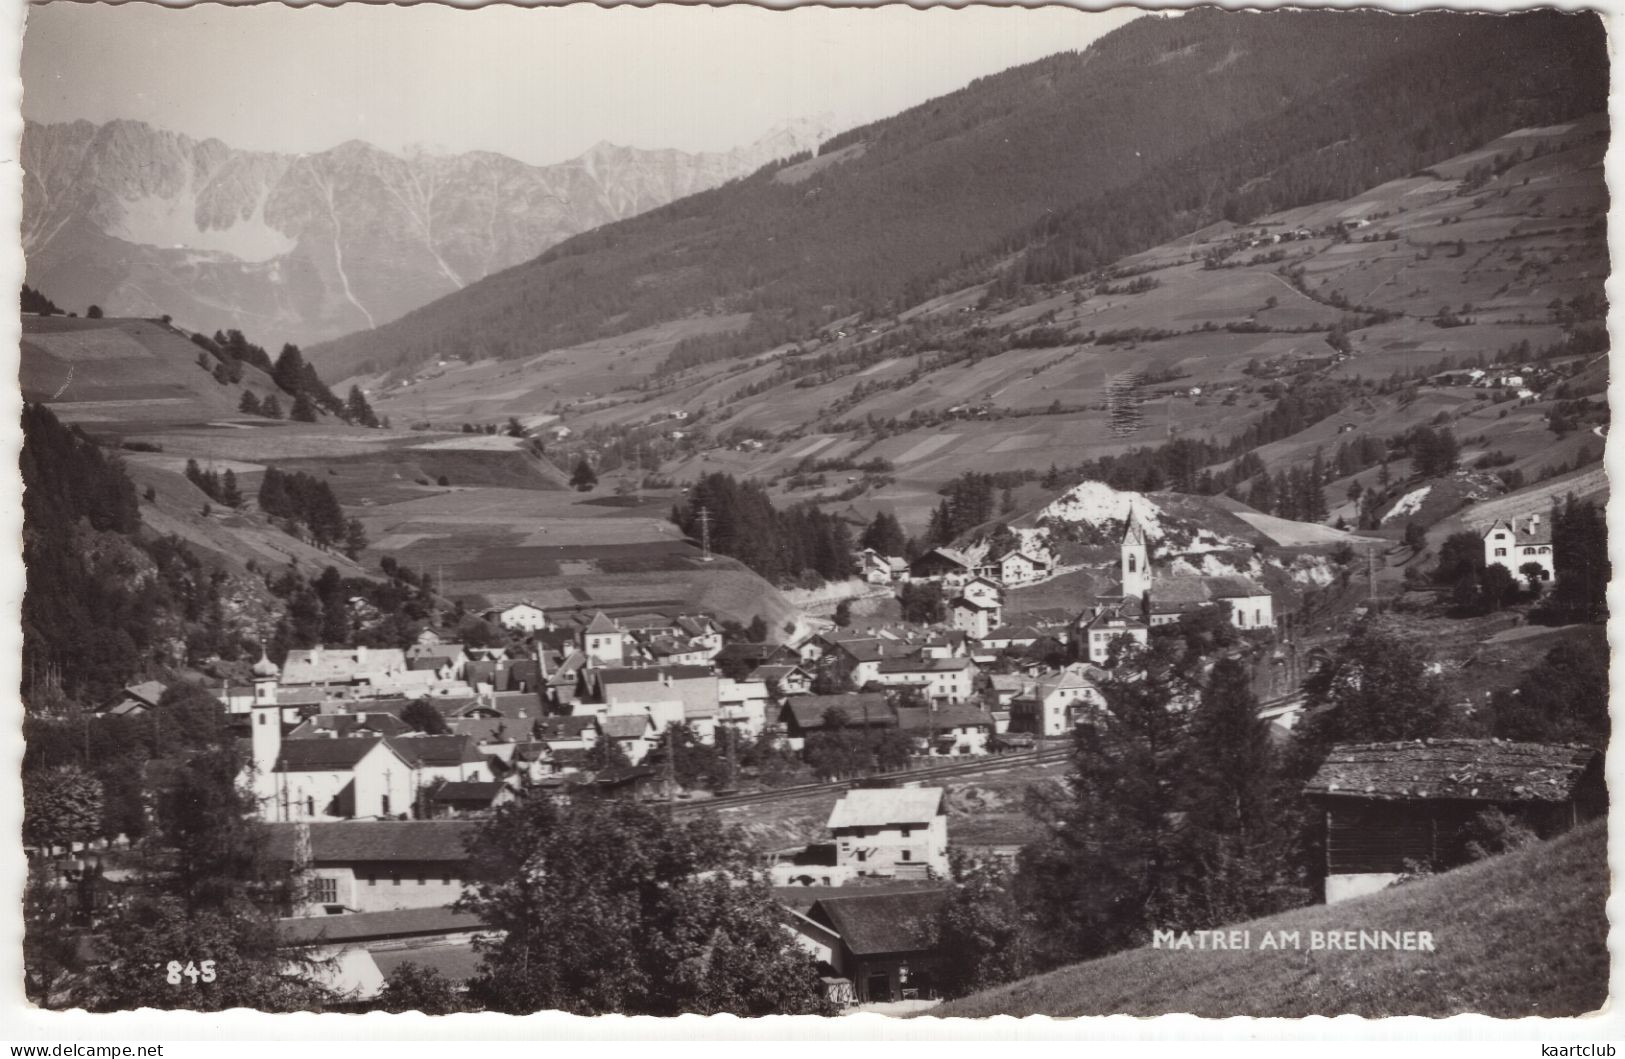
[1135,559]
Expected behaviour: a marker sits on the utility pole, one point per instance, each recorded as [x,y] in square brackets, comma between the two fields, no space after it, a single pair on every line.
[704,517]
[671,769]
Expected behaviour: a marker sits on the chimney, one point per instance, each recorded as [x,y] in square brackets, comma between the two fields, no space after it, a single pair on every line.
[1534,523]
[361,656]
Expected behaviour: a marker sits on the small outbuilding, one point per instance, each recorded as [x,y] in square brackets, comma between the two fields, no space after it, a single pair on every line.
[1393,808]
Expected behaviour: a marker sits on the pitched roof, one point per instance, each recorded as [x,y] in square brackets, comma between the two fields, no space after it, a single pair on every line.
[879,806]
[348,724]
[601,624]
[925,665]
[324,755]
[651,674]
[1538,531]
[1483,770]
[873,924]
[492,729]
[1133,532]
[375,840]
[567,727]
[802,898]
[482,791]
[960,715]
[808,710]
[626,725]
[318,665]
[438,751]
[149,692]
[458,963]
[371,926]
[1231,587]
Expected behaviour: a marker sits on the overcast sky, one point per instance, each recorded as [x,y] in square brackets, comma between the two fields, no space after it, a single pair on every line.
[541,85]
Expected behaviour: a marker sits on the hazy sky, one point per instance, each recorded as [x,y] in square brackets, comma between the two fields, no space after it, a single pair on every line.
[541,85]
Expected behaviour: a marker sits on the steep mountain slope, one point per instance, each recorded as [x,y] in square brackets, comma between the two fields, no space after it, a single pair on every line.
[1214,342]
[144,222]
[1521,934]
[120,370]
[1159,128]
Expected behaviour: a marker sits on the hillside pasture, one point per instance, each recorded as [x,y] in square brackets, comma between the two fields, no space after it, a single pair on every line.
[1545,904]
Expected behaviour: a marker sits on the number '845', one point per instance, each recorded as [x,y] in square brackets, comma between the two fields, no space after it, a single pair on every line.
[195,972]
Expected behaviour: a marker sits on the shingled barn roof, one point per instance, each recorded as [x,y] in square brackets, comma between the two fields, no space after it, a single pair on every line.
[1484,770]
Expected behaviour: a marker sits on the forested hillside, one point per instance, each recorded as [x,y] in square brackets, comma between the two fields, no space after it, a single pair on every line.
[1069,162]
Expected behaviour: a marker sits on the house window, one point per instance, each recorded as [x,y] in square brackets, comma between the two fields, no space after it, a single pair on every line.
[907,831]
[908,854]
[1500,552]
[325,891]
[385,805]
[310,806]
[395,880]
[372,879]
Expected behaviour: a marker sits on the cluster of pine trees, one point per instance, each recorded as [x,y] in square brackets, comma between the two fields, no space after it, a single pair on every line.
[293,375]
[308,502]
[221,488]
[36,302]
[799,543]
[103,602]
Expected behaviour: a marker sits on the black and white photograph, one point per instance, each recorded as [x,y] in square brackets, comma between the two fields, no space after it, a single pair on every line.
[826,511]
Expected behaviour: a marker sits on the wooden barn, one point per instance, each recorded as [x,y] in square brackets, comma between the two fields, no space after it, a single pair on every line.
[1392,807]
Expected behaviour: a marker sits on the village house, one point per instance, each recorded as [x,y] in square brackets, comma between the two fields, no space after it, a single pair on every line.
[569,733]
[1096,634]
[1391,809]
[341,665]
[451,758]
[135,700]
[524,616]
[882,943]
[468,798]
[446,661]
[1056,703]
[947,731]
[978,607]
[742,706]
[1015,567]
[376,866]
[783,680]
[603,641]
[939,680]
[354,954]
[803,715]
[879,569]
[1512,545]
[951,567]
[1009,637]
[891,831]
[634,733]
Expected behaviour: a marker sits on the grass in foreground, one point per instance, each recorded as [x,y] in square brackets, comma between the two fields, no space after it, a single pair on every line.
[1523,934]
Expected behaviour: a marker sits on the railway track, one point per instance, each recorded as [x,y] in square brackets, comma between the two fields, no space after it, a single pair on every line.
[991,763]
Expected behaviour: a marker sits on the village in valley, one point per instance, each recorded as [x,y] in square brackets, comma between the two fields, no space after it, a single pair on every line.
[936,653]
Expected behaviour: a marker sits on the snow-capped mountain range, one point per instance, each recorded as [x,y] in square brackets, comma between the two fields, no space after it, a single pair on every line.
[300,248]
